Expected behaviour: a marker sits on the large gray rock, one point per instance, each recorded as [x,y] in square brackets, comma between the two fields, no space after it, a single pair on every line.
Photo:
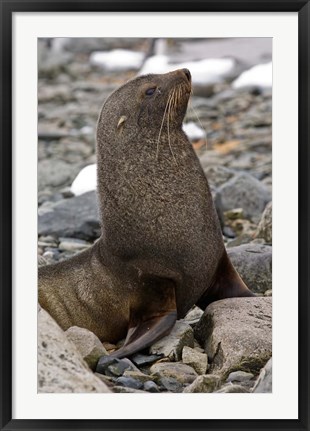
[264,381]
[76,217]
[264,228]
[87,343]
[237,334]
[61,367]
[254,264]
[246,192]
[54,173]
[171,346]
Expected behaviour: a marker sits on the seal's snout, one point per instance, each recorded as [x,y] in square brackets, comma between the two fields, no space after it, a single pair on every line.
[187,74]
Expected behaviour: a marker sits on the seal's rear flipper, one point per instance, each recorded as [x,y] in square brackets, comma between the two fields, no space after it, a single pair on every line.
[152,319]
[227,283]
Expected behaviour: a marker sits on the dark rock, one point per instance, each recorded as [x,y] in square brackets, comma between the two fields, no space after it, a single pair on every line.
[151,386]
[117,368]
[171,384]
[228,232]
[141,360]
[75,217]
[129,382]
[254,264]
[104,362]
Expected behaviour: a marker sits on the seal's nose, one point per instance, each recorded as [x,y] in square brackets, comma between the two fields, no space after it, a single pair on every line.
[187,74]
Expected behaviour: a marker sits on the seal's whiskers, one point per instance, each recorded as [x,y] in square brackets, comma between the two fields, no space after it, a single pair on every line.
[168,124]
[161,126]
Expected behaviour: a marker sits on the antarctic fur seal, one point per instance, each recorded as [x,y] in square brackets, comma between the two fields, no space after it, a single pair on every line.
[161,249]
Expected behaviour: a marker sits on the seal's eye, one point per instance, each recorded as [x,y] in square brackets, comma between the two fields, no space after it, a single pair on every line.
[150,91]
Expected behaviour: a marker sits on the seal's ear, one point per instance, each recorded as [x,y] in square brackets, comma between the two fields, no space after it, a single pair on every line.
[121,121]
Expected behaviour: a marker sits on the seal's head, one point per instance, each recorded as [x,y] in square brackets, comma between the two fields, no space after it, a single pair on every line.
[146,101]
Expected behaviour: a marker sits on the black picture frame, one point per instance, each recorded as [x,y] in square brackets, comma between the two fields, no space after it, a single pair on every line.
[8,7]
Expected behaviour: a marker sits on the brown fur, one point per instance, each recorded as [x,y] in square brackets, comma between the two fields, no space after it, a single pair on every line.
[160,231]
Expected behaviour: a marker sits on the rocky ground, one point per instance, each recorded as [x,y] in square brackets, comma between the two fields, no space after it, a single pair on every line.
[228,347]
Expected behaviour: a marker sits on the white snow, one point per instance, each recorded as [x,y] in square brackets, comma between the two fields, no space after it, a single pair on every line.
[85,181]
[204,72]
[117,59]
[258,76]
[193,131]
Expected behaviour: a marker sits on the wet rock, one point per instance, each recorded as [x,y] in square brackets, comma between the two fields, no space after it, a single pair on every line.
[236,333]
[76,218]
[264,229]
[129,382]
[151,386]
[182,373]
[141,360]
[239,376]
[61,367]
[103,364]
[171,346]
[117,368]
[254,264]
[246,192]
[87,343]
[264,381]
[205,383]
[195,359]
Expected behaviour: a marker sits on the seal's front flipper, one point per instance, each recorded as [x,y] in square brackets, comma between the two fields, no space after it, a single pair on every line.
[227,283]
[152,318]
